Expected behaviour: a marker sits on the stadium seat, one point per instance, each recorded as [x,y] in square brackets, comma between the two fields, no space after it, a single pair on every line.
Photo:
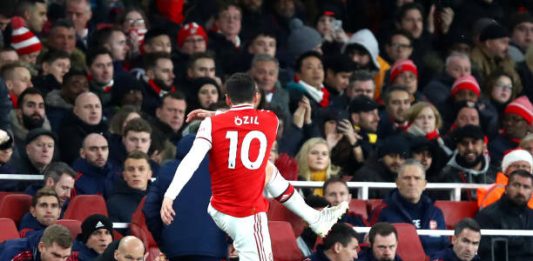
[373,204]
[139,229]
[14,206]
[409,245]
[82,206]
[9,230]
[360,207]
[455,211]
[74,226]
[3,194]
[284,245]
[277,212]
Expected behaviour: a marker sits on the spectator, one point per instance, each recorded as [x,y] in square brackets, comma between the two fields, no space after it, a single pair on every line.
[92,166]
[38,152]
[156,40]
[8,55]
[399,46]
[55,64]
[113,40]
[384,166]
[383,239]
[126,249]
[159,81]
[509,212]
[96,234]
[356,138]
[516,124]
[17,78]
[338,70]
[44,211]
[361,83]
[60,103]
[170,117]
[521,25]
[397,102]
[465,241]
[105,80]
[207,94]
[62,37]
[457,65]
[405,73]
[86,117]
[424,151]
[29,115]
[301,39]
[134,25]
[490,54]
[340,244]
[500,90]
[199,65]
[61,178]
[191,39]
[198,235]
[514,160]
[527,143]
[314,162]
[265,72]
[364,51]
[27,45]
[409,204]
[329,25]
[34,12]
[469,163]
[55,242]
[129,190]
[79,12]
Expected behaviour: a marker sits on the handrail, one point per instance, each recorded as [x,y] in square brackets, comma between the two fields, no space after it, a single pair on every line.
[364,187]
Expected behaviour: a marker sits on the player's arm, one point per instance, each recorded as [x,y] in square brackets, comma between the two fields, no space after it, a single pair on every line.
[187,167]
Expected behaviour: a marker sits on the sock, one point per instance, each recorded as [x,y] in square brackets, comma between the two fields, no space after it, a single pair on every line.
[284,192]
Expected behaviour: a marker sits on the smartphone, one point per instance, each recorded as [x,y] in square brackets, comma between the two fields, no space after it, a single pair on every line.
[336,25]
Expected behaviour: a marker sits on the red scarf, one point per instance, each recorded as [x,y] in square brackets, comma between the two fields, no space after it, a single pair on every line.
[325,98]
[14,100]
[158,89]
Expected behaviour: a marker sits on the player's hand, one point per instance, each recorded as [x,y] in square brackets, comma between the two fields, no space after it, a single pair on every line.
[167,212]
[199,114]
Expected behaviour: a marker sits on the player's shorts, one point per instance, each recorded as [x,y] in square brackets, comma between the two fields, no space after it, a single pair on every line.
[250,234]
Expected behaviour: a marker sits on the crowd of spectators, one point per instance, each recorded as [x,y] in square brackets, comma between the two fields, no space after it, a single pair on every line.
[94,95]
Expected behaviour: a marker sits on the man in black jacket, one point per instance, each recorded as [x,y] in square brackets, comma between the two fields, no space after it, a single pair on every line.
[509,212]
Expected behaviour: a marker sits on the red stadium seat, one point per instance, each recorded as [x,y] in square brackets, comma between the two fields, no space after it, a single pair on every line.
[455,211]
[277,212]
[9,230]
[409,245]
[82,206]
[139,229]
[14,206]
[3,194]
[360,207]
[74,226]
[373,204]
[284,245]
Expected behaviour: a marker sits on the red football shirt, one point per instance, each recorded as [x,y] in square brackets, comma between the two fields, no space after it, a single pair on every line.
[241,139]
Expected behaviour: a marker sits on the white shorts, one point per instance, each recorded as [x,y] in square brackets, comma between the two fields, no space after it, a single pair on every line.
[250,234]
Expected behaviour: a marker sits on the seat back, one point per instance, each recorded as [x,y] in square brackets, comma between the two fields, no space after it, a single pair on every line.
[82,206]
[284,245]
[359,206]
[455,211]
[277,212]
[139,229]
[14,206]
[9,230]
[409,245]
[74,226]
[373,204]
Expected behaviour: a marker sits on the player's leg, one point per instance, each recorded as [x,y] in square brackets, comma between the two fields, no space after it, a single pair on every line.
[319,221]
[250,234]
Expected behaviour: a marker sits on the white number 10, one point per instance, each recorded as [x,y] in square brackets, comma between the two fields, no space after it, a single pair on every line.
[233,137]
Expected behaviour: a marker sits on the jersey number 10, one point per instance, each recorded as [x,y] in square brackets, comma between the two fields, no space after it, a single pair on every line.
[233,137]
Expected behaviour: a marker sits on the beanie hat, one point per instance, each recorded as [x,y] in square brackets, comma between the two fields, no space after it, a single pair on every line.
[522,107]
[37,132]
[189,30]
[467,82]
[468,131]
[519,18]
[6,141]
[93,223]
[493,31]
[517,155]
[362,103]
[339,63]
[396,144]
[302,38]
[22,39]
[481,24]
[402,66]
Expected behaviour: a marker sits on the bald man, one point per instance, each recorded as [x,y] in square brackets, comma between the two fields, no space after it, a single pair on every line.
[86,118]
[93,165]
[130,248]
